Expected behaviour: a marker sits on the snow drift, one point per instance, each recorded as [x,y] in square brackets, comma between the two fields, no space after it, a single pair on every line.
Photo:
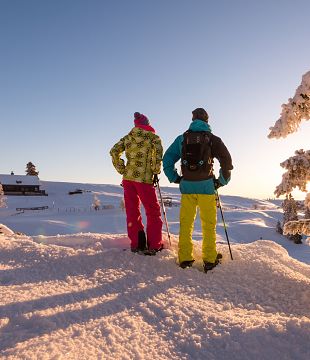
[88,298]
[71,289]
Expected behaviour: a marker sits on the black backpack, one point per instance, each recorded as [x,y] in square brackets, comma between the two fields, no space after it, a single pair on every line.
[197,160]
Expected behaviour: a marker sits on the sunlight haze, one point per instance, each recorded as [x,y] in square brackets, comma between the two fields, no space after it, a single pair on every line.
[74,72]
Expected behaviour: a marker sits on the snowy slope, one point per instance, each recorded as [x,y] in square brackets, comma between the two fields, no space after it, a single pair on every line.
[94,300]
[71,289]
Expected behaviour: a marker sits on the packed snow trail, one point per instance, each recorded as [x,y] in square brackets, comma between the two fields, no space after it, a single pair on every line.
[90,299]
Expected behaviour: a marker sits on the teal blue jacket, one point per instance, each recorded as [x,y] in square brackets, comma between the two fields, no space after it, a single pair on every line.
[218,150]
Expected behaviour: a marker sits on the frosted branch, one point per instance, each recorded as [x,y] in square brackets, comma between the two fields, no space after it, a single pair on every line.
[297,174]
[296,110]
[297,227]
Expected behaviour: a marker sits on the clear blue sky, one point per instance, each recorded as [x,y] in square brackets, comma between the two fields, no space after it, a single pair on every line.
[73,72]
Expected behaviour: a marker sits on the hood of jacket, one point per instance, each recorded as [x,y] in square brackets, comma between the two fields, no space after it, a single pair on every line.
[139,135]
[199,125]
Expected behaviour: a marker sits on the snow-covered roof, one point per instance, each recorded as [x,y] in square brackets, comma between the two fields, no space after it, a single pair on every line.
[19,180]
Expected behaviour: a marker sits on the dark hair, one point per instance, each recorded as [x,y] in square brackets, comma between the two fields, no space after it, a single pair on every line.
[200,114]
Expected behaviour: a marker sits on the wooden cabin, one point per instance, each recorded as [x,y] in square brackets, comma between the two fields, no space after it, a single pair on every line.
[21,185]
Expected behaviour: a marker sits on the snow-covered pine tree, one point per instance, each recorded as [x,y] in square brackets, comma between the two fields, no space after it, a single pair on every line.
[31,169]
[302,226]
[2,197]
[290,215]
[298,166]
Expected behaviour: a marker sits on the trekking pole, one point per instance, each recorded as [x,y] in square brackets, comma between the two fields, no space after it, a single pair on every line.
[220,206]
[163,209]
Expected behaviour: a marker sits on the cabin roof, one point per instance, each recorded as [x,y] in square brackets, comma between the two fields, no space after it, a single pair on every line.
[19,180]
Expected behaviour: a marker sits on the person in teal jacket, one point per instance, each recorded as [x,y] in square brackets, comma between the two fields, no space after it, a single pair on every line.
[198,193]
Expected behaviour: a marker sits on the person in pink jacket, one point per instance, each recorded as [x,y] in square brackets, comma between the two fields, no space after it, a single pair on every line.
[143,150]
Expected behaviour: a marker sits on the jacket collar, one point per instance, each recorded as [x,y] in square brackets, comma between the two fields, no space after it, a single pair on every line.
[199,125]
[146,128]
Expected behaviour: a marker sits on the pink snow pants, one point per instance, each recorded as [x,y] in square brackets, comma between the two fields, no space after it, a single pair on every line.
[134,193]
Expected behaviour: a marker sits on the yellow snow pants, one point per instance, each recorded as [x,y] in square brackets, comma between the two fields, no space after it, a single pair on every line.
[207,209]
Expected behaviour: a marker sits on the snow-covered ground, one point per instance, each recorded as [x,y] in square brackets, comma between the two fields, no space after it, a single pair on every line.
[71,289]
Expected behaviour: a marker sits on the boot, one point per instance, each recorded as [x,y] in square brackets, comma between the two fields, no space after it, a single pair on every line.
[186,264]
[207,266]
[142,246]
[152,252]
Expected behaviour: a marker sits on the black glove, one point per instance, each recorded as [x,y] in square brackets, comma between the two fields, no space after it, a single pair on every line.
[217,184]
[178,179]
[155,180]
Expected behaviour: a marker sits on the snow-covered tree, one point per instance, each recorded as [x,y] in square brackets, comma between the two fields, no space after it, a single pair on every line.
[303,225]
[31,169]
[2,197]
[297,167]
[289,216]
[96,203]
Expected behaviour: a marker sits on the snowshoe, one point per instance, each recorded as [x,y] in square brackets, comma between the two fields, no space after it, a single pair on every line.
[207,266]
[186,264]
[152,252]
[136,250]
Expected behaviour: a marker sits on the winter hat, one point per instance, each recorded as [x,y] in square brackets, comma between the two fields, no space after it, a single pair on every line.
[141,119]
[200,114]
